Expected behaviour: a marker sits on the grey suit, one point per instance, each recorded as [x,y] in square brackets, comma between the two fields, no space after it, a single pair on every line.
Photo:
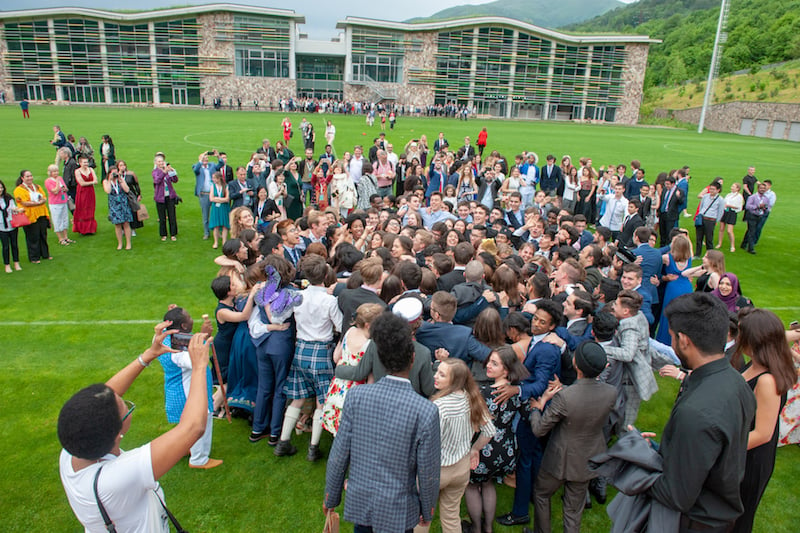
[389,439]
[575,419]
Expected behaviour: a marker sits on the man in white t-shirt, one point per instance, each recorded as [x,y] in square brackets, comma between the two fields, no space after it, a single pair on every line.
[91,425]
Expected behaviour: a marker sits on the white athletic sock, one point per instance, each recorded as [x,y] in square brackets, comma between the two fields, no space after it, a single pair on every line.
[316,427]
[290,418]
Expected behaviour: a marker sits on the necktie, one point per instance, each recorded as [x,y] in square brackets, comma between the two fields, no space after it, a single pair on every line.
[627,219]
[666,201]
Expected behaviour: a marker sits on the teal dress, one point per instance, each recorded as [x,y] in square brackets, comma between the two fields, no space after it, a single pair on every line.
[220,212]
[675,288]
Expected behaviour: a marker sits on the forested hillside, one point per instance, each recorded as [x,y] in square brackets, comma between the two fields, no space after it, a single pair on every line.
[759,32]
[546,13]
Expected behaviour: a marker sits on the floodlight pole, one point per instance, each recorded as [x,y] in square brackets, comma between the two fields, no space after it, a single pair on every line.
[714,67]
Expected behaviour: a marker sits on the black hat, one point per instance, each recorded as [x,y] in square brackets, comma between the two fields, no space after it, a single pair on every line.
[625,255]
[590,358]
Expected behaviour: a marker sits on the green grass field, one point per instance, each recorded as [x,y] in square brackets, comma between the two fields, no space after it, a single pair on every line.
[60,334]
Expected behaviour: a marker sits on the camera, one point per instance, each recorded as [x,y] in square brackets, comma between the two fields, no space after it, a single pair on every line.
[210,152]
[180,341]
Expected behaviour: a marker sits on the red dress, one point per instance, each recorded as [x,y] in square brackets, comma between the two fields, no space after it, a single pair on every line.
[287,132]
[83,221]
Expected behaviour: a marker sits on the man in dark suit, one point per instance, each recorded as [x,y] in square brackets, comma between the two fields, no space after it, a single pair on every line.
[651,262]
[468,151]
[671,199]
[241,190]
[574,419]
[578,308]
[551,176]
[461,255]
[371,270]
[543,361]
[441,334]
[515,214]
[488,187]
[292,252]
[646,202]
[630,223]
[223,167]
[267,150]
[397,457]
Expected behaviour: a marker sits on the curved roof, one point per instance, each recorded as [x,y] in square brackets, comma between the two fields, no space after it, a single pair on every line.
[492,21]
[150,14]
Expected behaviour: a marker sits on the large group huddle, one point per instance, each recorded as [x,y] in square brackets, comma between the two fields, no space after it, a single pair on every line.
[351,285]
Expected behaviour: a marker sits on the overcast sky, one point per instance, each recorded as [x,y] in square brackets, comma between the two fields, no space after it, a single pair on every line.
[321,15]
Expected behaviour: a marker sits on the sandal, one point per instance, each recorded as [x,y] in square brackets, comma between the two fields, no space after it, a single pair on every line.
[64,242]
[174,238]
[163,239]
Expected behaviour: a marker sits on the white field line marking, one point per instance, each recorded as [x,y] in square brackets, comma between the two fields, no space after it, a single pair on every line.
[80,322]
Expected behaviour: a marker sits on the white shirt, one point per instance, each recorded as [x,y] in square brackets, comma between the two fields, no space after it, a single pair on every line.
[317,315]
[355,168]
[615,212]
[455,427]
[125,486]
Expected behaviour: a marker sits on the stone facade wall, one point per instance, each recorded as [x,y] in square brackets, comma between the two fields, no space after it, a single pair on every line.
[633,82]
[728,117]
[266,90]
[5,84]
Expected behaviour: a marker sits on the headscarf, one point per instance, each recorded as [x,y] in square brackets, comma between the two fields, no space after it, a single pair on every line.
[731,299]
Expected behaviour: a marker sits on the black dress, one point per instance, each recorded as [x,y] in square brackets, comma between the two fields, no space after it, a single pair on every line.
[757,471]
[498,457]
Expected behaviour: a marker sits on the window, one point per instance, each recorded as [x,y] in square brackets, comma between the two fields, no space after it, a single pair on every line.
[262,63]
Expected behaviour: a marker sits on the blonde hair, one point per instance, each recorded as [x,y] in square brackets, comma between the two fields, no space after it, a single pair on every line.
[681,248]
[366,313]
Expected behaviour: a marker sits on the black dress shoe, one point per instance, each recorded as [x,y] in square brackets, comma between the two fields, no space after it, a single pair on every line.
[597,488]
[512,520]
[751,251]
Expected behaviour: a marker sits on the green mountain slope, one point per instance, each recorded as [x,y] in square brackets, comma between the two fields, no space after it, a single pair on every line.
[760,32]
[546,13]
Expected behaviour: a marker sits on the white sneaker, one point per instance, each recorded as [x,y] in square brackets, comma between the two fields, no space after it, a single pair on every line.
[133,233]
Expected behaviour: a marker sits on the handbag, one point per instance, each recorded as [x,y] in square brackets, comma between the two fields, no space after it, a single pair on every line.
[698,218]
[331,522]
[20,219]
[141,213]
[133,202]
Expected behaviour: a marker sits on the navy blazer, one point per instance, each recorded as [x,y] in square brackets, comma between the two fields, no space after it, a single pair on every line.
[651,266]
[647,303]
[456,339]
[543,360]
[237,197]
[389,447]
[551,182]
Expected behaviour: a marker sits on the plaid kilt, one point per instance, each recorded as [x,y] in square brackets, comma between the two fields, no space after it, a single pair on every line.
[311,372]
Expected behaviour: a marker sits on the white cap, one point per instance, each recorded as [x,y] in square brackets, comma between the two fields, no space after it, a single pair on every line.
[409,309]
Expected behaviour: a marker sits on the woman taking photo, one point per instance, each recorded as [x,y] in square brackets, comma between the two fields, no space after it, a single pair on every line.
[58,203]
[33,200]
[707,273]
[83,221]
[130,178]
[734,202]
[294,196]
[770,374]
[119,212]
[166,197]
[8,233]
[96,472]
[462,413]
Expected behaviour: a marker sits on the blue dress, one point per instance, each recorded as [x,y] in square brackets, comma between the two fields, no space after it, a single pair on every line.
[242,367]
[220,213]
[675,288]
[119,211]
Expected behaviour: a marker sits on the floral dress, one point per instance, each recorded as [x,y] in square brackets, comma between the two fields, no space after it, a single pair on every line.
[789,419]
[498,457]
[334,401]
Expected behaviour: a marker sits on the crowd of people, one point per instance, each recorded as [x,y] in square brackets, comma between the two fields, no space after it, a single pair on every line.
[467,287]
